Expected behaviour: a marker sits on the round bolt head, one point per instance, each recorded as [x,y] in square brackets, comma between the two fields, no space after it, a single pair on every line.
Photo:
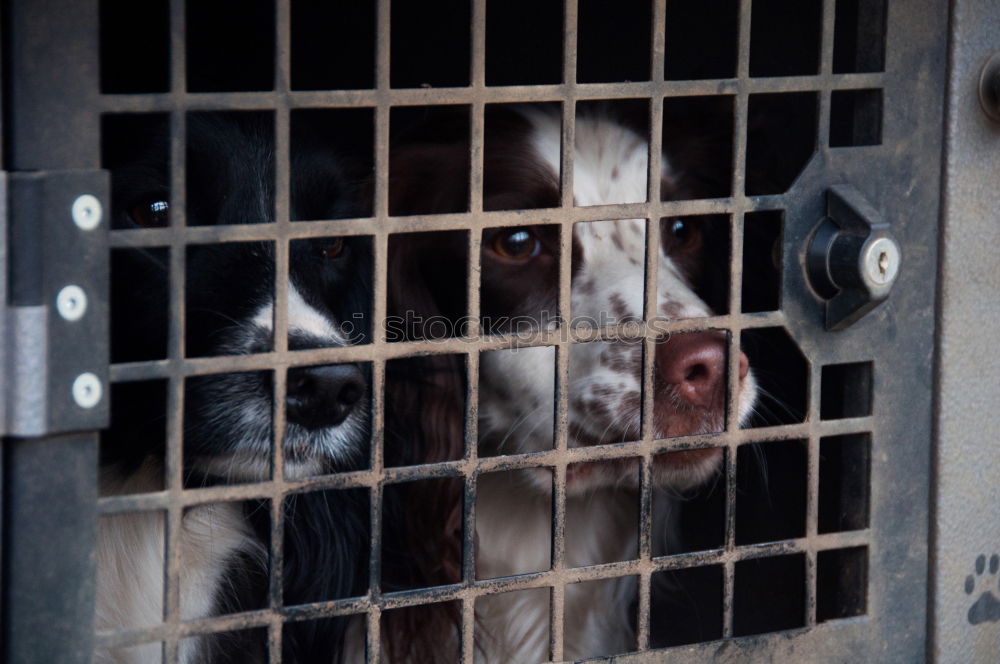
[87,390]
[87,212]
[881,261]
[71,302]
[989,88]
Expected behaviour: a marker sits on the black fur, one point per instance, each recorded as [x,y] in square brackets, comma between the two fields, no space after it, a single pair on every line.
[230,180]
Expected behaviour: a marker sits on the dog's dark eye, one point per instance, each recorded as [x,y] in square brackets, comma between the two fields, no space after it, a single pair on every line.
[152,212]
[333,248]
[519,244]
[687,235]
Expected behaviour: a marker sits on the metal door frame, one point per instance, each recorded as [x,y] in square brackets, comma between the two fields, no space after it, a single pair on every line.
[52,119]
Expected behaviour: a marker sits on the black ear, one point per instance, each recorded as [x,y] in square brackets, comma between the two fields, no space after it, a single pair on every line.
[136,149]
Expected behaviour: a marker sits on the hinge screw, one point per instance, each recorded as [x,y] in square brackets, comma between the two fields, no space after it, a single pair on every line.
[87,212]
[71,302]
[87,390]
[881,261]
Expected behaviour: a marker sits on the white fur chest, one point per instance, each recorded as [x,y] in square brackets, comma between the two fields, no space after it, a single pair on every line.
[513,529]
[130,569]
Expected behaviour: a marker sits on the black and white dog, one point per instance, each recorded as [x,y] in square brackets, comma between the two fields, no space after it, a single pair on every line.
[228,424]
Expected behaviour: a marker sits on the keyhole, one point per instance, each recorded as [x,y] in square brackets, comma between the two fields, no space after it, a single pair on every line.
[883,263]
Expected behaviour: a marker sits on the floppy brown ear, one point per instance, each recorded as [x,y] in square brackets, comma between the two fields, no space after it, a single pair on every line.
[514,178]
[698,143]
[427,297]
[424,395]
[428,270]
[429,178]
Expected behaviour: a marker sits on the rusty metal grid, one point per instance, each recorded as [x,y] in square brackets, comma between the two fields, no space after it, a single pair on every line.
[174,498]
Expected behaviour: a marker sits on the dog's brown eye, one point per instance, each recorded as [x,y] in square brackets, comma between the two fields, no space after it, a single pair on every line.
[150,213]
[687,235]
[333,248]
[519,244]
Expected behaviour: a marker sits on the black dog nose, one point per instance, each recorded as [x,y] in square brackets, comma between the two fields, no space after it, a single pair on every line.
[319,397]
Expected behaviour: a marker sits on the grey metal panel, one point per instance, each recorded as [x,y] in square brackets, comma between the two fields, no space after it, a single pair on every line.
[51,87]
[48,564]
[966,519]
[899,177]
[845,641]
[49,483]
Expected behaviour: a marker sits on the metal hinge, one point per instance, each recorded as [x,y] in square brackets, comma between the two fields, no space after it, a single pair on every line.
[54,330]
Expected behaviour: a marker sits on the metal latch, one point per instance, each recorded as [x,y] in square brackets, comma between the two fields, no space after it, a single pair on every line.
[853,259]
[54,331]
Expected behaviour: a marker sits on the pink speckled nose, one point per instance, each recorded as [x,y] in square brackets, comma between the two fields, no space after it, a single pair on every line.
[695,364]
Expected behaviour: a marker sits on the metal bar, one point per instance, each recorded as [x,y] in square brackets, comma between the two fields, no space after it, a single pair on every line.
[196,366]
[366,479]
[735,284]
[650,306]
[511,94]
[374,614]
[481,588]
[560,443]
[282,216]
[812,491]
[826,69]
[174,461]
[473,277]
[151,237]
[380,293]
[813,416]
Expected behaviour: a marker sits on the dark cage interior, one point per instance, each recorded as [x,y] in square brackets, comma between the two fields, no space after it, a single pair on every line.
[416,357]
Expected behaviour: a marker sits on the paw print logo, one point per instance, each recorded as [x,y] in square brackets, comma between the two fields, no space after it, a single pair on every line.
[987,606]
